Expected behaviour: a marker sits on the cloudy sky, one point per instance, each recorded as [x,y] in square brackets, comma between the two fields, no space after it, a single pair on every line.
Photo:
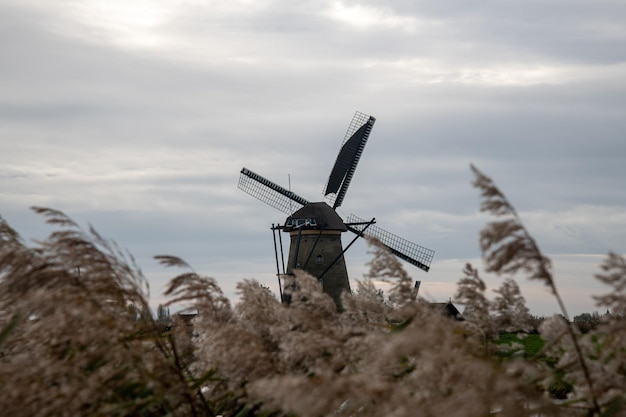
[136,117]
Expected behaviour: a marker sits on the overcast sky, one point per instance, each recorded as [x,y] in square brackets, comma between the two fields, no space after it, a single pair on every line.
[137,116]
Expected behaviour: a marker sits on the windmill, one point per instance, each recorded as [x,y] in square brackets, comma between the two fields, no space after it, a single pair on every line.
[315,228]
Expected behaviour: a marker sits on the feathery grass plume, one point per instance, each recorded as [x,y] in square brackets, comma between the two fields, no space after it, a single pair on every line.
[614,275]
[506,244]
[307,293]
[69,346]
[508,248]
[196,292]
[509,306]
[470,292]
[235,349]
[172,261]
[386,267]
[314,340]
[366,306]
[606,345]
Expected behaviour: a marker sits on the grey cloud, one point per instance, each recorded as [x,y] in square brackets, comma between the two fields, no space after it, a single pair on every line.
[578,31]
[146,144]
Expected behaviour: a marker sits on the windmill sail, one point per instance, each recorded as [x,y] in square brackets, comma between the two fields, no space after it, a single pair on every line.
[348,158]
[270,193]
[412,253]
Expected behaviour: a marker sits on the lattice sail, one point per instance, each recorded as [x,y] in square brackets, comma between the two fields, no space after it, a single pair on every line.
[402,248]
[348,158]
[270,193]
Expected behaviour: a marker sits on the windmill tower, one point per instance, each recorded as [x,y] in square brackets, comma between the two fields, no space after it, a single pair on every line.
[315,228]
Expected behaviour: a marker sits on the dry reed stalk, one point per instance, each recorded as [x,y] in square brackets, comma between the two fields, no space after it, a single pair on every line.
[508,248]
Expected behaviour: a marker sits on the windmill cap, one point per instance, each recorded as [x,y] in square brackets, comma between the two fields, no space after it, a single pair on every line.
[321,214]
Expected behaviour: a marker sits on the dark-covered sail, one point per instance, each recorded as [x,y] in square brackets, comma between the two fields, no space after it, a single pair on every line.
[348,157]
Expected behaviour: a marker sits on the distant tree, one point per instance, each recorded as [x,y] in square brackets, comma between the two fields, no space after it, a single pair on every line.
[163,313]
[535,322]
[586,322]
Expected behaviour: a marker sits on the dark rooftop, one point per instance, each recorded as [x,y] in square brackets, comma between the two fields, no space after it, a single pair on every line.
[323,214]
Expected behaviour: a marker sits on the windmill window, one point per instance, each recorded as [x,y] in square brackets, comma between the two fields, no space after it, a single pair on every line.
[291,222]
[319,259]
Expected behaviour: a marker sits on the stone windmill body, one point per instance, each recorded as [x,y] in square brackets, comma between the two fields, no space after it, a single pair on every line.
[316,229]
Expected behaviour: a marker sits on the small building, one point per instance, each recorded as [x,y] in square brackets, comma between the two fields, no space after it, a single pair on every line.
[448,310]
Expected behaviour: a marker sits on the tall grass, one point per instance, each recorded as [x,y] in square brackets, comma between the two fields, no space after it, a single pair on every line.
[77,338]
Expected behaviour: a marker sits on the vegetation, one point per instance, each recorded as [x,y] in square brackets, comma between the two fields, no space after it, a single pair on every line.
[77,338]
